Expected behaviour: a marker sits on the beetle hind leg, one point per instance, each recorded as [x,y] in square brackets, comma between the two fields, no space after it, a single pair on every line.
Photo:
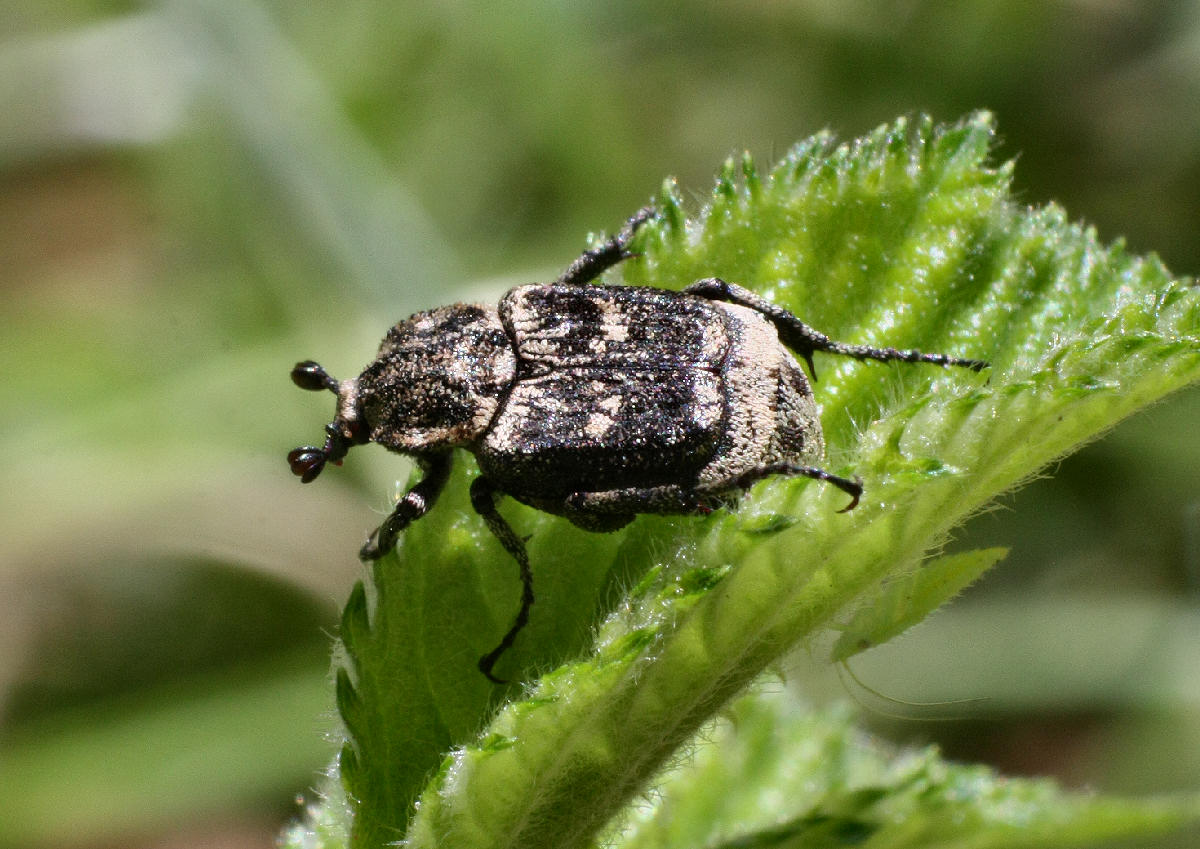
[483,499]
[853,488]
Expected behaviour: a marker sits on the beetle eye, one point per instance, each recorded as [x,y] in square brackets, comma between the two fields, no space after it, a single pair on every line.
[307,462]
[309,375]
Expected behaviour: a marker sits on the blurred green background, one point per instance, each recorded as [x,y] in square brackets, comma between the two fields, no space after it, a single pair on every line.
[196,194]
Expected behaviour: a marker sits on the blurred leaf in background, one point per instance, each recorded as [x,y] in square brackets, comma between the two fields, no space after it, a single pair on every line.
[198,193]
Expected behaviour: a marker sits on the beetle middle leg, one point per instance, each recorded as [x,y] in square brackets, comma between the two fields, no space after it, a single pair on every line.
[673,499]
[594,262]
[804,340]
[415,504]
[483,499]
[589,510]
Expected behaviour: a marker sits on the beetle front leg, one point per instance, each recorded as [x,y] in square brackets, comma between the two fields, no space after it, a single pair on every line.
[592,263]
[415,504]
[483,499]
[804,340]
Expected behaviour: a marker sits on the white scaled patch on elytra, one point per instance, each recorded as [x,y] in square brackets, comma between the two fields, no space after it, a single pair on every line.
[598,425]
[614,323]
[537,348]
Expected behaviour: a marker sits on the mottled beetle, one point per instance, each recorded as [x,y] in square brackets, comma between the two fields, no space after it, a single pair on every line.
[591,402]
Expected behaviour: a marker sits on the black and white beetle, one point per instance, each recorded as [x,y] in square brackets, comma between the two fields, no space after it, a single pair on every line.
[591,402]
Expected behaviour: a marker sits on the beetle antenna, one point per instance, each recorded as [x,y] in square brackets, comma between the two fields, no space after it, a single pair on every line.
[307,461]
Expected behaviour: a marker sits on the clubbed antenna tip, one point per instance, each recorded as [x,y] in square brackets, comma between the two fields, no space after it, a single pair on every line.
[309,375]
[307,462]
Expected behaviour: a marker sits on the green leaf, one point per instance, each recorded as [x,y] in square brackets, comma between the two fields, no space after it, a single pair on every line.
[909,598]
[906,238]
[777,774]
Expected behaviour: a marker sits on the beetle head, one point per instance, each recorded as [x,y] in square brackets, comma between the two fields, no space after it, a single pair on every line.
[345,431]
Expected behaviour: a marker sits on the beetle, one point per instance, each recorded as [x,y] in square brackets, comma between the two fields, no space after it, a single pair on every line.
[591,402]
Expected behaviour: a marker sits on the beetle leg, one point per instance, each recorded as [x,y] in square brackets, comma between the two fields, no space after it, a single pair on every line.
[853,488]
[598,522]
[415,504]
[483,499]
[670,499]
[804,340]
[674,500]
[594,262]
